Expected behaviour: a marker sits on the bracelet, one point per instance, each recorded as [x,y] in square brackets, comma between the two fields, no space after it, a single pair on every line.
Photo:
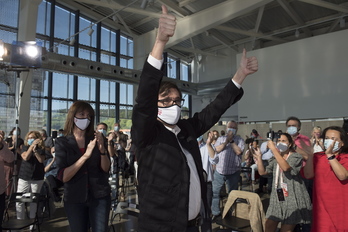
[331,157]
[103,153]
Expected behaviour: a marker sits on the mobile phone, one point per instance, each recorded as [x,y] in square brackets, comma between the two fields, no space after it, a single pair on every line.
[280,194]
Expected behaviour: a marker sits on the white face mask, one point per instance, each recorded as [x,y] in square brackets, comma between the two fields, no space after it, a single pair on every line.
[169,115]
[291,130]
[282,147]
[102,131]
[81,123]
[328,142]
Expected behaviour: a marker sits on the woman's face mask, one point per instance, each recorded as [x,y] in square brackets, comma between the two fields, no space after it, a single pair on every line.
[282,147]
[81,123]
[328,142]
[169,115]
[30,141]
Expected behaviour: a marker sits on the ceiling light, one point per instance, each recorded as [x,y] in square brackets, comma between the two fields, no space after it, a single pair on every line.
[143,4]
[297,33]
[342,23]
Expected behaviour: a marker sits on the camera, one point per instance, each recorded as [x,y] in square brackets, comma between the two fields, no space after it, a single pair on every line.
[273,135]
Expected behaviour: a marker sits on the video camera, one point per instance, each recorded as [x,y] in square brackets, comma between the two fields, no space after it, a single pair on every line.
[273,135]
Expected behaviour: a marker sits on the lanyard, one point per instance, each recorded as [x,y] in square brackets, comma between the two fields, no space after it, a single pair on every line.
[277,177]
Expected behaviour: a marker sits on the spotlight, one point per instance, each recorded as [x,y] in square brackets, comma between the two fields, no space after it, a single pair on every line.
[2,50]
[72,42]
[26,53]
[90,32]
[114,18]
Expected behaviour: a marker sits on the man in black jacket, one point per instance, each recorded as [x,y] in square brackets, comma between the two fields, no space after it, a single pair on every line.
[172,188]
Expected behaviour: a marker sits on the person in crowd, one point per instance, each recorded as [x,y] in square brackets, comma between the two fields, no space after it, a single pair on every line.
[316,140]
[222,133]
[289,202]
[83,165]
[207,164]
[345,125]
[60,133]
[301,141]
[48,143]
[229,150]
[171,183]
[5,156]
[267,179]
[15,144]
[51,172]
[329,169]
[254,134]
[31,173]
[249,159]
[216,135]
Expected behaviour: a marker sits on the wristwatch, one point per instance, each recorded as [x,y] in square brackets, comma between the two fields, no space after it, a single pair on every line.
[232,141]
[331,157]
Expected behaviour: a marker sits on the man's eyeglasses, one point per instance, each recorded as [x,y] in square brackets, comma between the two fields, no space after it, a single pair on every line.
[169,102]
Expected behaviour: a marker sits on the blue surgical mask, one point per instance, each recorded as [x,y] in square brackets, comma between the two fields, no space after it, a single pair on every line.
[328,142]
[102,131]
[30,141]
[60,135]
[116,128]
[292,130]
[234,131]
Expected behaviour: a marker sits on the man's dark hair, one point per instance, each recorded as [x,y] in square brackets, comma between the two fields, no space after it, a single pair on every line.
[295,119]
[165,87]
[104,124]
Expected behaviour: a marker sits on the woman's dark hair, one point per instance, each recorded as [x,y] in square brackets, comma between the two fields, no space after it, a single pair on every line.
[343,137]
[291,141]
[13,129]
[76,107]
[165,87]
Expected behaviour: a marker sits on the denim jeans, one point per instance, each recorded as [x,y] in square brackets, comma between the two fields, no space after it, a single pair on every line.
[94,213]
[219,180]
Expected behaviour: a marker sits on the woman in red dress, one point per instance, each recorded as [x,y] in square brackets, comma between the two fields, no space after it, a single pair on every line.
[330,189]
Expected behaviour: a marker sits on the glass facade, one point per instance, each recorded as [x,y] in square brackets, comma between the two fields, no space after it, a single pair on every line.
[52,92]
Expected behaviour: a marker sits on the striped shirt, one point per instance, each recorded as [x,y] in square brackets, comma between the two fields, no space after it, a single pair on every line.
[229,162]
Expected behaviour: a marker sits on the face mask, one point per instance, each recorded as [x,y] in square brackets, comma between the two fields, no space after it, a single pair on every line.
[199,138]
[328,142]
[292,130]
[234,131]
[14,132]
[30,141]
[252,136]
[102,131]
[60,135]
[53,154]
[116,128]
[169,115]
[282,147]
[81,123]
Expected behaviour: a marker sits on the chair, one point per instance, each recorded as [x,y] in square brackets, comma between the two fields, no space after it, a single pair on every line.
[125,208]
[243,211]
[242,171]
[11,222]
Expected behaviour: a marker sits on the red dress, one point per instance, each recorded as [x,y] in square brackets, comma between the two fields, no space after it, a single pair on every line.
[330,196]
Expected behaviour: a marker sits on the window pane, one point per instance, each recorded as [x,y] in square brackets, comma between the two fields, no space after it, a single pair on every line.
[171,67]
[105,39]
[184,72]
[64,23]
[7,111]
[7,36]
[43,18]
[84,38]
[123,94]
[39,84]
[107,91]
[62,86]
[108,115]
[9,13]
[59,113]
[38,114]
[86,89]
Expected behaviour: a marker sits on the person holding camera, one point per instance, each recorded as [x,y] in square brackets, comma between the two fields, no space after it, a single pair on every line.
[289,202]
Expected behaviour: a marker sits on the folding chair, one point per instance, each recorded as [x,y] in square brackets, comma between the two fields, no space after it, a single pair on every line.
[11,222]
[242,171]
[125,208]
[243,211]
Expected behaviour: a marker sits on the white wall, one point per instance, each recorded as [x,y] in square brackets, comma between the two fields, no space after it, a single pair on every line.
[306,78]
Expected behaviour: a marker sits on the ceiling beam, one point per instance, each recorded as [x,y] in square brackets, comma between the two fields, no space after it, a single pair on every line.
[174,7]
[185,2]
[328,5]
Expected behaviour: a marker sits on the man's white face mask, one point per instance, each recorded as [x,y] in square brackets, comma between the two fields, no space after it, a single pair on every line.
[169,115]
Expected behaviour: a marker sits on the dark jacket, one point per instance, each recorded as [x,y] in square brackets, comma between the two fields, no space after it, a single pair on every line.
[163,172]
[90,180]
[32,169]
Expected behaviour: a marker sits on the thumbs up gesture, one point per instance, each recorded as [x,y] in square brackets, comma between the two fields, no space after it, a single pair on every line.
[166,27]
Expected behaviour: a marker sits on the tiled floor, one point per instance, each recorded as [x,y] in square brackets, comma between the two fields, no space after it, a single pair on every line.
[121,223]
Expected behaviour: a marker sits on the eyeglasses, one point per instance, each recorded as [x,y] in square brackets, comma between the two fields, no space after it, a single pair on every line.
[169,102]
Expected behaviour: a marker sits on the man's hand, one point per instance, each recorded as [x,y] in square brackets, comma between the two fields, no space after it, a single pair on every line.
[210,138]
[166,27]
[247,66]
